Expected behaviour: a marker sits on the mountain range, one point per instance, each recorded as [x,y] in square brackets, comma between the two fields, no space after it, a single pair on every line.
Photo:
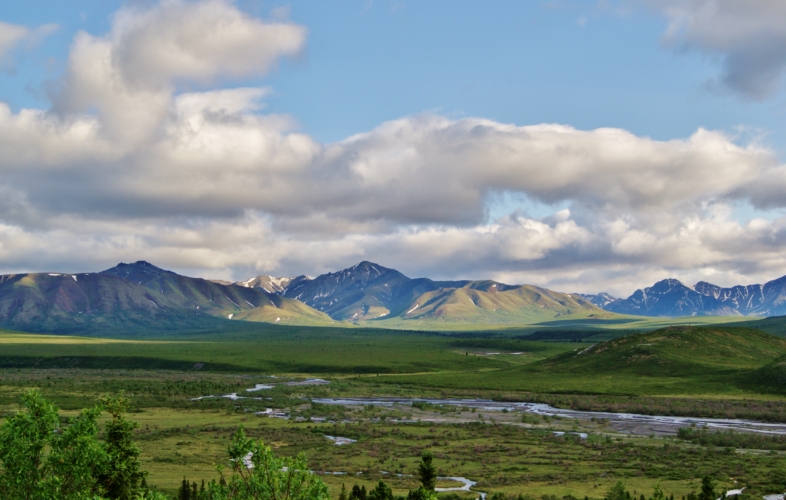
[368,291]
[671,297]
[141,295]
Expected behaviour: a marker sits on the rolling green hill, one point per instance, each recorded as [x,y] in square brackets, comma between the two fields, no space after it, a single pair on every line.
[685,360]
[675,351]
[488,303]
[284,311]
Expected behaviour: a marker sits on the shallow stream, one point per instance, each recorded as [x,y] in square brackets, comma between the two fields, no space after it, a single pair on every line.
[633,423]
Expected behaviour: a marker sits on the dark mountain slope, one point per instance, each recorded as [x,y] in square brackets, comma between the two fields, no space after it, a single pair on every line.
[363,290]
[601,299]
[672,298]
[742,299]
[669,297]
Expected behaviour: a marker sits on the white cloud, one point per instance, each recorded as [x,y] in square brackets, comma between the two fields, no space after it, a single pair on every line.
[129,75]
[126,166]
[749,36]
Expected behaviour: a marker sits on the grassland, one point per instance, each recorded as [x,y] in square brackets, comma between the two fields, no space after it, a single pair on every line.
[682,361]
[180,437]
[710,370]
[282,350]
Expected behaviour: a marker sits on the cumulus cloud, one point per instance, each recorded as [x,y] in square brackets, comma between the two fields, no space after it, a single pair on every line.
[749,36]
[129,75]
[127,165]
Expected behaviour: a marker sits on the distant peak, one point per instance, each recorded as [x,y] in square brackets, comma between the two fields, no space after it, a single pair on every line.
[139,267]
[670,282]
[141,263]
[366,266]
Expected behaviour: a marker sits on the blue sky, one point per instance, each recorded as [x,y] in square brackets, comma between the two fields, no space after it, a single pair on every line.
[516,62]
[653,72]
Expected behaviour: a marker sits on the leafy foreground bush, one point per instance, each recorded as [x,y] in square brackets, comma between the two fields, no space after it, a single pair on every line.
[259,474]
[42,459]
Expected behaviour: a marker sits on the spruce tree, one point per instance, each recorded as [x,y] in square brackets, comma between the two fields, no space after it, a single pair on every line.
[707,489]
[358,493]
[427,472]
[123,471]
[185,491]
[381,492]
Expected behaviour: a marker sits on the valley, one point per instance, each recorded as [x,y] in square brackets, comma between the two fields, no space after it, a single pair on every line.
[517,390]
[515,416]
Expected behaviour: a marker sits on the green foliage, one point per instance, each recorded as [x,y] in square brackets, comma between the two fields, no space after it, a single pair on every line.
[381,492]
[358,493]
[657,492]
[259,474]
[674,360]
[123,472]
[421,494]
[427,472]
[731,439]
[618,492]
[707,489]
[43,460]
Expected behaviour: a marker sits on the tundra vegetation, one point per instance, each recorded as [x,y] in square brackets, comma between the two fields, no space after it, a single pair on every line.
[159,439]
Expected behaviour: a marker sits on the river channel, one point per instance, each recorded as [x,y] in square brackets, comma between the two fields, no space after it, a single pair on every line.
[630,423]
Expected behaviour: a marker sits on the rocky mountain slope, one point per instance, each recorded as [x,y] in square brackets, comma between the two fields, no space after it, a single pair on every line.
[671,297]
[363,291]
[368,291]
[600,299]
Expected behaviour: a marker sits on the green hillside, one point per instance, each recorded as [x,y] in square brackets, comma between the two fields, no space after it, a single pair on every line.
[685,360]
[284,311]
[488,303]
[775,325]
[675,351]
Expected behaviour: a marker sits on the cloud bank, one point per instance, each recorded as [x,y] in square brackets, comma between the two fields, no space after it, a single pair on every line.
[749,37]
[126,165]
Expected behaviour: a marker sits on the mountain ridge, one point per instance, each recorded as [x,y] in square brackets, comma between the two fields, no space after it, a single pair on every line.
[142,295]
[670,298]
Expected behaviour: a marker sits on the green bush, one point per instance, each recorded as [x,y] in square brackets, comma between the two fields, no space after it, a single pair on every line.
[45,460]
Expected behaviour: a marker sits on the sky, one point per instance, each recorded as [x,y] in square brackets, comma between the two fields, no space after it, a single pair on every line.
[584,146]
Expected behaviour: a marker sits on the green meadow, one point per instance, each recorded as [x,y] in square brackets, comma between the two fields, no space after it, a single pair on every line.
[706,367]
